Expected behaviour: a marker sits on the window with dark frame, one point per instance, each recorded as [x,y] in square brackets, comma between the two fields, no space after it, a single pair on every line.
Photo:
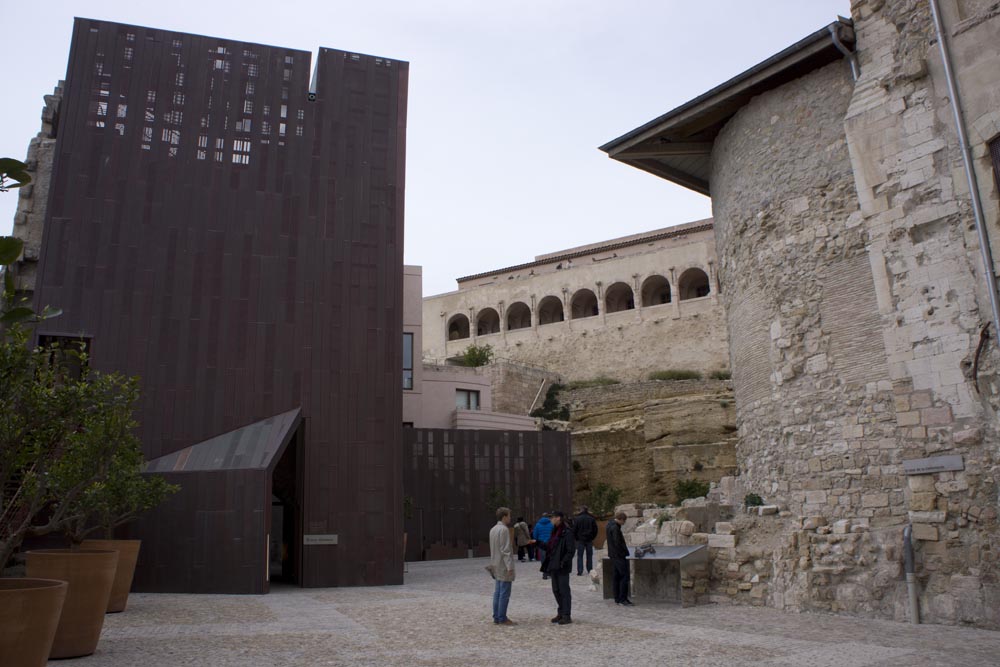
[407,361]
[466,399]
[68,353]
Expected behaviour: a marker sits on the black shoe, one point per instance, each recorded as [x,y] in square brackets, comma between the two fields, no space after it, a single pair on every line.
[565,620]
[627,603]
[579,574]
[557,619]
[545,576]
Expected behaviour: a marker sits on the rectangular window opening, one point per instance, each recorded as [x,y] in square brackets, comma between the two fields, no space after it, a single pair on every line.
[466,399]
[407,361]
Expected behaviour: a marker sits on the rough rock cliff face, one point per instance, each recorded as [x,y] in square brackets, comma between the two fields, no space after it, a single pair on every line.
[645,436]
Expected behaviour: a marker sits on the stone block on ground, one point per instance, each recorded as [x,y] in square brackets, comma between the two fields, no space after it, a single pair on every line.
[724,528]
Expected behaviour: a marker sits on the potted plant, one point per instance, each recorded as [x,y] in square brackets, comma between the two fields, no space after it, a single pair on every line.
[119,498]
[30,608]
[103,423]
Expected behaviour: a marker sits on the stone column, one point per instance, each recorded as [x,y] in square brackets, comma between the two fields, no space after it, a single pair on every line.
[601,307]
[713,284]
[534,314]
[675,295]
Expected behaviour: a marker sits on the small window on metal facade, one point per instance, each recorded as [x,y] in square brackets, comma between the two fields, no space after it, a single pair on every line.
[70,354]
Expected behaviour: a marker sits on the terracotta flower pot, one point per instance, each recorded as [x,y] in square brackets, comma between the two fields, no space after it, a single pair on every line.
[90,575]
[128,553]
[29,615]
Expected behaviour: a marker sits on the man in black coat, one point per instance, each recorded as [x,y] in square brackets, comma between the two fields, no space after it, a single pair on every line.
[557,564]
[618,554]
[584,534]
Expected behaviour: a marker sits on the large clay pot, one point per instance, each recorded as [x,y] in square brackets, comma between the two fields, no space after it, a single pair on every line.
[29,615]
[128,553]
[602,526]
[90,574]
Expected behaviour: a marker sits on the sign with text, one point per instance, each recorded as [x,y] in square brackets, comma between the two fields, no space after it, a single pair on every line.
[317,540]
[933,464]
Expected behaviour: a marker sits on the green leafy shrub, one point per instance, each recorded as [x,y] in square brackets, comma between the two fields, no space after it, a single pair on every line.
[752,500]
[477,355]
[603,499]
[495,499]
[551,408]
[577,466]
[663,518]
[721,375]
[600,381]
[690,488]
[675,374]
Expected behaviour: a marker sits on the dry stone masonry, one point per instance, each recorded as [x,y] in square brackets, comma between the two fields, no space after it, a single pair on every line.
[850,272]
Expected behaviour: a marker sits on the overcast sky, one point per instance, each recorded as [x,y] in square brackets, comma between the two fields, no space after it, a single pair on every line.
[508,100]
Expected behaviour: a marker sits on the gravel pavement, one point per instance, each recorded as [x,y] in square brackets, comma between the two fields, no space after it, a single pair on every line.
[442,616]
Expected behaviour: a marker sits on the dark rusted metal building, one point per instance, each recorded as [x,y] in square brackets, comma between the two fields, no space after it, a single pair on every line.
[455,479]
[226,221]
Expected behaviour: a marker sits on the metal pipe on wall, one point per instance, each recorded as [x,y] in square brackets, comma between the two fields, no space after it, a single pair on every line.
[970,172]
[911,577]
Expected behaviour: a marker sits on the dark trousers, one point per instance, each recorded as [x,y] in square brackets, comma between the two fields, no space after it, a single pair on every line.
[581,548]
[528,549]
[562,593]
[620,579]
[540,556]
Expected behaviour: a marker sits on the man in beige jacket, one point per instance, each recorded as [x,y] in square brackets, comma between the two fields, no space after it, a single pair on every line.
[502,563]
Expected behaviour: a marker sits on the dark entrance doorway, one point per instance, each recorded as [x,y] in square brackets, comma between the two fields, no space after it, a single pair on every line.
[285,536]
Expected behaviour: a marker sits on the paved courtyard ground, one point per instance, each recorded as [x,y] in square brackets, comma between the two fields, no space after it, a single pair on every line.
[442,616]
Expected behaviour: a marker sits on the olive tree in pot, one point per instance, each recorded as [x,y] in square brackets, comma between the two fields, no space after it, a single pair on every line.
[119,498]
[31,415]
[104,424]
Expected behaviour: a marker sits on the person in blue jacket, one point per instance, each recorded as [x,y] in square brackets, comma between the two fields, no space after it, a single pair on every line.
[541,534]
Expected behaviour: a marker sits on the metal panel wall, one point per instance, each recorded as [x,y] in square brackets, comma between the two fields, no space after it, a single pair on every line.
[240,248]
[449,476]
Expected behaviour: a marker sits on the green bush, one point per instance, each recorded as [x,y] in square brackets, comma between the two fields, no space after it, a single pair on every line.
[477,355]
[577,466]
[753,500]
[675,375]
[690,488]
[660,520]
[600,381]
[603,499]
[721,375]
[551,408]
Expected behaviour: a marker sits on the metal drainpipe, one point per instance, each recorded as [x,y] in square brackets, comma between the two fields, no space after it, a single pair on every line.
[851,56]
[911,578]
[970,172]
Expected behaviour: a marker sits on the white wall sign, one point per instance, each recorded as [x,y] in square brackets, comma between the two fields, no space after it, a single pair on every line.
[933,464]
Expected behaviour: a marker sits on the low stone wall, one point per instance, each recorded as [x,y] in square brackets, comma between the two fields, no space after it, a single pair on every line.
[768,556]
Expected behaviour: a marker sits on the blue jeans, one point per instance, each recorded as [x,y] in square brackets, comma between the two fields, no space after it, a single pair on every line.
[580,548]
[501,596]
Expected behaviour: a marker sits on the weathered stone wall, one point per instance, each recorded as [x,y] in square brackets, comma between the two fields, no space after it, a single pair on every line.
[517,389]
[849,268]
[29,219]
[685,333]
[643,437]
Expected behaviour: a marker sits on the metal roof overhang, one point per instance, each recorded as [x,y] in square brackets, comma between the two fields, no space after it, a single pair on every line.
[677,146]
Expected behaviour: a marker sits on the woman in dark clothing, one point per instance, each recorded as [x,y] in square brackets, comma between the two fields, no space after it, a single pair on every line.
[558,563]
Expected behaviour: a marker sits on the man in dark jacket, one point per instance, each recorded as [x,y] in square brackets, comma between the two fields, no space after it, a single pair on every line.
[584,533]
[618,554]
[557,564]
